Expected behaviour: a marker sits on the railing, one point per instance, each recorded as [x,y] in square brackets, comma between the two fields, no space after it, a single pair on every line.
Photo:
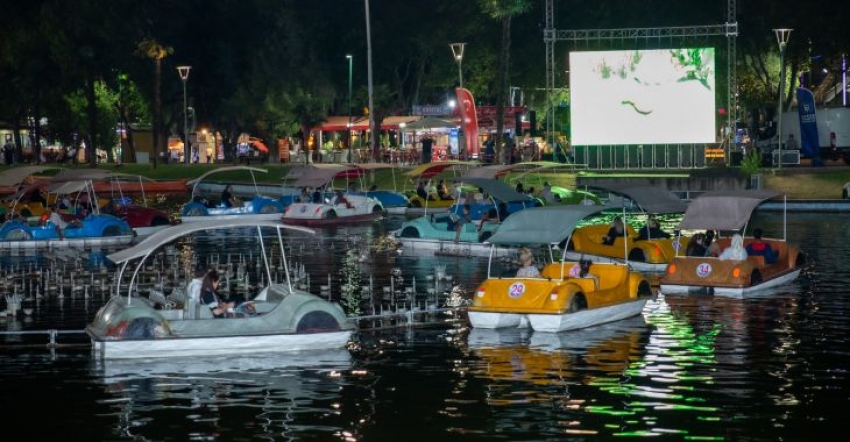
[668,156]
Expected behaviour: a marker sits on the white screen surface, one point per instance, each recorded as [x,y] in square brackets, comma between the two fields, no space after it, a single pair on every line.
[663,96]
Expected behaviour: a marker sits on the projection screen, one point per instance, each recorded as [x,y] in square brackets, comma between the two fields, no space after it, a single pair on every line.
[663,96]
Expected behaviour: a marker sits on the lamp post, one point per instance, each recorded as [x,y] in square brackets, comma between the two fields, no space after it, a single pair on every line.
[457,51]
[782,36]
[350,65]
[184,76]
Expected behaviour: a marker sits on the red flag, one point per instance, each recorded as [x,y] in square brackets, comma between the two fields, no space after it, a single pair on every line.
[468,120]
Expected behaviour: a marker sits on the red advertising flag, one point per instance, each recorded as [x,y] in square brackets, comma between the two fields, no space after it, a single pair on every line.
[468,120]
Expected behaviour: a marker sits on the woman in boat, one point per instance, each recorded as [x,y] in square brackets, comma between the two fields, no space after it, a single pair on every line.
[528,269]
[209,296]
[617,229]
[228,199]
[736,250]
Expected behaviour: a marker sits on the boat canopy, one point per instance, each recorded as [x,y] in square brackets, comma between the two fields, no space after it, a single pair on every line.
[542,225]
[17,175]
[724,209]
[315,175]
[430,170]
[500,170]
[495,188]
[650,199]
[225,169]
[162,237]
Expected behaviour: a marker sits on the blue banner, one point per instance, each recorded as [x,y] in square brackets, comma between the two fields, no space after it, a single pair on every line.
[809,144]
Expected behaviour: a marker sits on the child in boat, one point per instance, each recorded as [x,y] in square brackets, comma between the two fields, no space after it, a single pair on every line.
[528,269]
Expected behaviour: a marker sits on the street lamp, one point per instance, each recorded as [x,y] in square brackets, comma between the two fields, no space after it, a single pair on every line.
[350,65]
[782,36]
[184,76]
[457,51]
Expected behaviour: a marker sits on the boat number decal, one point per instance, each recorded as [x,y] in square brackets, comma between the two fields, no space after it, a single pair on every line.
[303,209]
[703,270]
[516,290]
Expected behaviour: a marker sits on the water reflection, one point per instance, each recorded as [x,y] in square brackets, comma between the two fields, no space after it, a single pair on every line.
[284,397]
[768,366]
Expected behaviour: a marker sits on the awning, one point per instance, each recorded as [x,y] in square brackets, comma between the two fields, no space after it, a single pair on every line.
[339,123]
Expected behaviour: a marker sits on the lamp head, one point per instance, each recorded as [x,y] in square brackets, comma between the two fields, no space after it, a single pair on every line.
[184,72]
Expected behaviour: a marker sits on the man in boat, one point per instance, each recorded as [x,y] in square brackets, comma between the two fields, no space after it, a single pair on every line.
[760,248]
[652,230]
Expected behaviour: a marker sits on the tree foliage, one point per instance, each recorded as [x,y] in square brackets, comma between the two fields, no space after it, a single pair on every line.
[277,67]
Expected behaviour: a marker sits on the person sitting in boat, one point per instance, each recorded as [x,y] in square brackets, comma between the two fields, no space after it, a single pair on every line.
[443,191]
[420,190]
[581,269]
[109,208]
[696,246]
[546,193]
[193,289]
[759,247]
[652,230]
[61,225]
[456,224]
[317,196]
[341,200]
[503,211]
[528,269]
[712,248]
[617,229]
[736,250]
[209,296]
[228,199]
[304,197]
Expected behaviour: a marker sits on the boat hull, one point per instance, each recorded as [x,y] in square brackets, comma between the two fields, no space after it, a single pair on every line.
[740,290]
[218,345]
[320,222]
[416,246]
[223,217]
[68,243]
[497,320]
[586,318]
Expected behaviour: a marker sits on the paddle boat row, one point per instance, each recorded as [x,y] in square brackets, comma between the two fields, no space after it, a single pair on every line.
[645,254]
[287,319]
[559,299]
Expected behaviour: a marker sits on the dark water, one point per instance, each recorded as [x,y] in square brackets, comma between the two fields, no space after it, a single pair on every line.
[768,367]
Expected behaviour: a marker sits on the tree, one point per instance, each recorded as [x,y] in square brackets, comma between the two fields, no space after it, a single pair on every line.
[503,11]
[310,108]
[150,48]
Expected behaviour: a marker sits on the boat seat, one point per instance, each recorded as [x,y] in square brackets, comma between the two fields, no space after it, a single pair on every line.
[757,260]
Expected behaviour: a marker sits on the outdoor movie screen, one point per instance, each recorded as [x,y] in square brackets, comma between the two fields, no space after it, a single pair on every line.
[660,96]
